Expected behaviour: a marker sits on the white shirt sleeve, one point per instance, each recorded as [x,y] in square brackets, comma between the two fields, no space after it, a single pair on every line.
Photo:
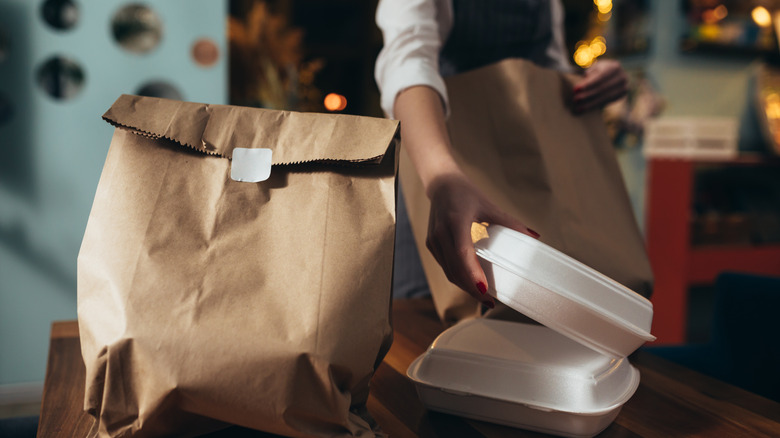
[413,31]
[557,49]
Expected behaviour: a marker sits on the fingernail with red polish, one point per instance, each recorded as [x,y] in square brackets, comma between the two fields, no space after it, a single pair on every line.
[533,233]
[482,287]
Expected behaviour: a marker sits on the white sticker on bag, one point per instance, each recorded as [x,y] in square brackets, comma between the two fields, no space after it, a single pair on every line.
[251,165]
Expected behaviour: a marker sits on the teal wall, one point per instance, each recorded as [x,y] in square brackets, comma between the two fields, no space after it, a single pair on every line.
[52,151]
[691,84]
[694,84]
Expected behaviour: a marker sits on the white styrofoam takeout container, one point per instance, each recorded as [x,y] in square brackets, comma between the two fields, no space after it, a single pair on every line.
[524,376]
[570,378]
[563,293]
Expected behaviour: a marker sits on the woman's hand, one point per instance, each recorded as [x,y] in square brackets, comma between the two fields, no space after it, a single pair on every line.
[604,82]
[455,204]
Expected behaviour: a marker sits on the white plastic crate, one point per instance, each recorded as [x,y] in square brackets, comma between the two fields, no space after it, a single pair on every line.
[713,138]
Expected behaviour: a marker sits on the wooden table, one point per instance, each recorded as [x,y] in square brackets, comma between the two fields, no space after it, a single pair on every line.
[671,400]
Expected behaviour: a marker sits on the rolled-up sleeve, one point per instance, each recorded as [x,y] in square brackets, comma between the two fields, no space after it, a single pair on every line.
[413,32]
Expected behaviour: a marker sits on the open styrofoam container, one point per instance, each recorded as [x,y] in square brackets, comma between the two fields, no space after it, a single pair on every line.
[524,376]
[563,293]
[569,377]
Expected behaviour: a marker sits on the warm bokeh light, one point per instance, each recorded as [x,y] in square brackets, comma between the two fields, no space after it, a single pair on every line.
[587,52]
[772,107]
[761,16]
[604,6]
[709,32]
[711,16]
[721,12]
[335,102]
[598,46]
[772,110]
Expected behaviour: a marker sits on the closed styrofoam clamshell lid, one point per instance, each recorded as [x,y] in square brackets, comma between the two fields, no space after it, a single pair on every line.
[563,293]
[526,364]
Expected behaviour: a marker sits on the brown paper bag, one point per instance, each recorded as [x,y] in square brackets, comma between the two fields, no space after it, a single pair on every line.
[204,301]
[516,138]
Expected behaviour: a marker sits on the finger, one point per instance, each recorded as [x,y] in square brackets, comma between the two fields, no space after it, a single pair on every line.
[599,101]
[593,75]
[496,216]
[608,94]
[601,72]
[605,84]
[604,66]
[466,270]
[458,259]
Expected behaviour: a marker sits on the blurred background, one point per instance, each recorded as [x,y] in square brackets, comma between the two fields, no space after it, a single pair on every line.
[696,138]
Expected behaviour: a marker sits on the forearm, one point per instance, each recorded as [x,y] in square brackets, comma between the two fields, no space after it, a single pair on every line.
[455,201]
[424,134]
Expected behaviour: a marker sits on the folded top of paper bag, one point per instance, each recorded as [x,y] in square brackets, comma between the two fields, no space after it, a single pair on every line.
[218,129]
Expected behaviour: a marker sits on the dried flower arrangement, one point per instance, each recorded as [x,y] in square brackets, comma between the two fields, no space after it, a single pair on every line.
[267,67]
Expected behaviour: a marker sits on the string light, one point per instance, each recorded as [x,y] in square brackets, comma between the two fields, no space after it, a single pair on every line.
[712,16]
[761,16]
[604,6]
[587,52]
[335,102]
[772,106]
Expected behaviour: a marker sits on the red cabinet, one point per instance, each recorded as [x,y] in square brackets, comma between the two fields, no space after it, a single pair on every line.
[678,263]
